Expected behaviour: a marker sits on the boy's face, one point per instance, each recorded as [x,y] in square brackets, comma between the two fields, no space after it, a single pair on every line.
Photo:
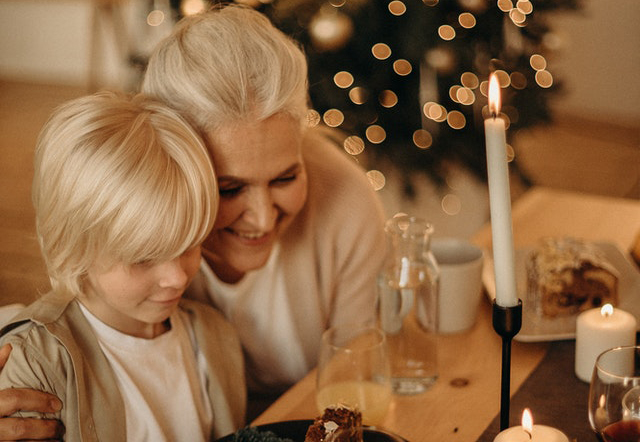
[137,299]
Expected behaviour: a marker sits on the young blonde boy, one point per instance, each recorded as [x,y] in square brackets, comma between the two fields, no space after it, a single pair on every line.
[124,194]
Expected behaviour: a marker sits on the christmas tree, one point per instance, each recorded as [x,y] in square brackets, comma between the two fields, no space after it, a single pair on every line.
[406,80]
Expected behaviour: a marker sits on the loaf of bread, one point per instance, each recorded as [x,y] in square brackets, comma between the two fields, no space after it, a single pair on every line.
[568,275]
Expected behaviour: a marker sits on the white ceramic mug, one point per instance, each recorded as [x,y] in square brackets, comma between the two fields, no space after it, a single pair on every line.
[460,289]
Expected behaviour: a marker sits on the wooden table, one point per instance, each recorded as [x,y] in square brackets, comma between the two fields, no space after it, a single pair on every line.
[466,397]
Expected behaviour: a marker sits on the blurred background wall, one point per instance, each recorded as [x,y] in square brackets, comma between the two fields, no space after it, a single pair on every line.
[51,41]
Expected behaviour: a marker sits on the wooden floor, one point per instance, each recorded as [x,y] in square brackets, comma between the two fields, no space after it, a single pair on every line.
[573,154]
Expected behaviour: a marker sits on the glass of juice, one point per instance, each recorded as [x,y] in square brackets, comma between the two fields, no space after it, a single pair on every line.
[353,370]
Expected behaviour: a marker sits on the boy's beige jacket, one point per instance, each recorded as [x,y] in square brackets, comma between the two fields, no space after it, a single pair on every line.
[55,350]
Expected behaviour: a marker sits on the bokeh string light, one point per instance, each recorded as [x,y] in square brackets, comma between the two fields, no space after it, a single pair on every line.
[406,80]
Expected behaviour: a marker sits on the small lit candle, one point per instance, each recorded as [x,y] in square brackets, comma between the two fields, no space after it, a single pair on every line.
[527,432]
[600,329]
[500,201]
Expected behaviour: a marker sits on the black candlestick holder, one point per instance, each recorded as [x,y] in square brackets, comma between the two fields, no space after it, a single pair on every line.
[507,321]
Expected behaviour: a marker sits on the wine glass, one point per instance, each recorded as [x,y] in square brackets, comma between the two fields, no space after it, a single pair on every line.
[614,395]
[354,370]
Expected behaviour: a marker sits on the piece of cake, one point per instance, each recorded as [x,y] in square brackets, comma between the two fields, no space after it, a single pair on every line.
[568,275]
[338,423]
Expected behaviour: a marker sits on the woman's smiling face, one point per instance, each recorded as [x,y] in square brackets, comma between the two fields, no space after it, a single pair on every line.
[263,185]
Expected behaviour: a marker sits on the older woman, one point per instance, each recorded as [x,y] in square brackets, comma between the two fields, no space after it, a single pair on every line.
[298,240]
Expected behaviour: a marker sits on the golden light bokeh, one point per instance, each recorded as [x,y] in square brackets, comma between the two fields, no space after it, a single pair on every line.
[402,67]
[518,80]
[464,95]
[343,79]
[505,5]
[517,17]
[503,78]
[377,179]
[313,118]
[358,95]
[470,80]
[544,79]
[442,59]
[525,6]
[353,145]
[155,18]
[467,20]
[451,204]
[484,88]
[330,31]
[453,92]
[333,117]
[435,111]
[381,51]
[456,119]
[422,139]
[511,153]
[396,7]
[446,32]
[537,62]
[376,134]
[388,98]
[190,7]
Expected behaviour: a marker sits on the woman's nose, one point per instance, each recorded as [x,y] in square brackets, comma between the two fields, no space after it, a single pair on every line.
[261,211]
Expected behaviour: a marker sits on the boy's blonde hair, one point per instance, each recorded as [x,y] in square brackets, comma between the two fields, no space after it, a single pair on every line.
[121,180]
[229,65]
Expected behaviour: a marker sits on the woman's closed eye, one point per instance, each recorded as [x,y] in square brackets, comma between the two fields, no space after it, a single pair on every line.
[230,192]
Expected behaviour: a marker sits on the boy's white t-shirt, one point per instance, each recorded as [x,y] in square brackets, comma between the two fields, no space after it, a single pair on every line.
[161,382]
[260,311]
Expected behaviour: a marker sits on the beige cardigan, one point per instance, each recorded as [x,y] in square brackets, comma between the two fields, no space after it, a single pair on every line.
[55,350]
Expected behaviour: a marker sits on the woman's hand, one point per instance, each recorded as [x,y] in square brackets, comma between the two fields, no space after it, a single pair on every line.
[14,399]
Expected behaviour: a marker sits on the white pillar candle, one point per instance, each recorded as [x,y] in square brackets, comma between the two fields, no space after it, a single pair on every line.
[500,201]
[600,329]
[540,433]
[527,432]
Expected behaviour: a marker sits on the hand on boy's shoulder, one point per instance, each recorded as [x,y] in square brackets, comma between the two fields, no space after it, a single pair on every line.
[15,399]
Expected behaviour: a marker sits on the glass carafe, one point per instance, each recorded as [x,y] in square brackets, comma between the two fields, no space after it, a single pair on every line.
[408,304]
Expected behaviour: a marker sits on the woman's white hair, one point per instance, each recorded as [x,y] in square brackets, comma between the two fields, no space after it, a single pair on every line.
[227,65]
[121,180]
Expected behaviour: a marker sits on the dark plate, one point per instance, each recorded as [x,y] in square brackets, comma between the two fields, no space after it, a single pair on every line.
[295,430]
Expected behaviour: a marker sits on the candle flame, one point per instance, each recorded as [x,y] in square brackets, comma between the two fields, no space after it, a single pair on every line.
[606,310]
[494,95]
[527,421]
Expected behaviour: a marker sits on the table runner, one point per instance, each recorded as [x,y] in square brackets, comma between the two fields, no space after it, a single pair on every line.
[555,396]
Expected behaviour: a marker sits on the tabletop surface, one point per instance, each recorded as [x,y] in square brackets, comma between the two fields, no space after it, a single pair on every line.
[466,398]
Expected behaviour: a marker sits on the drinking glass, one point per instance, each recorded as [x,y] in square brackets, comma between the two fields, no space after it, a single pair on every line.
[353,370]
[614,395]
